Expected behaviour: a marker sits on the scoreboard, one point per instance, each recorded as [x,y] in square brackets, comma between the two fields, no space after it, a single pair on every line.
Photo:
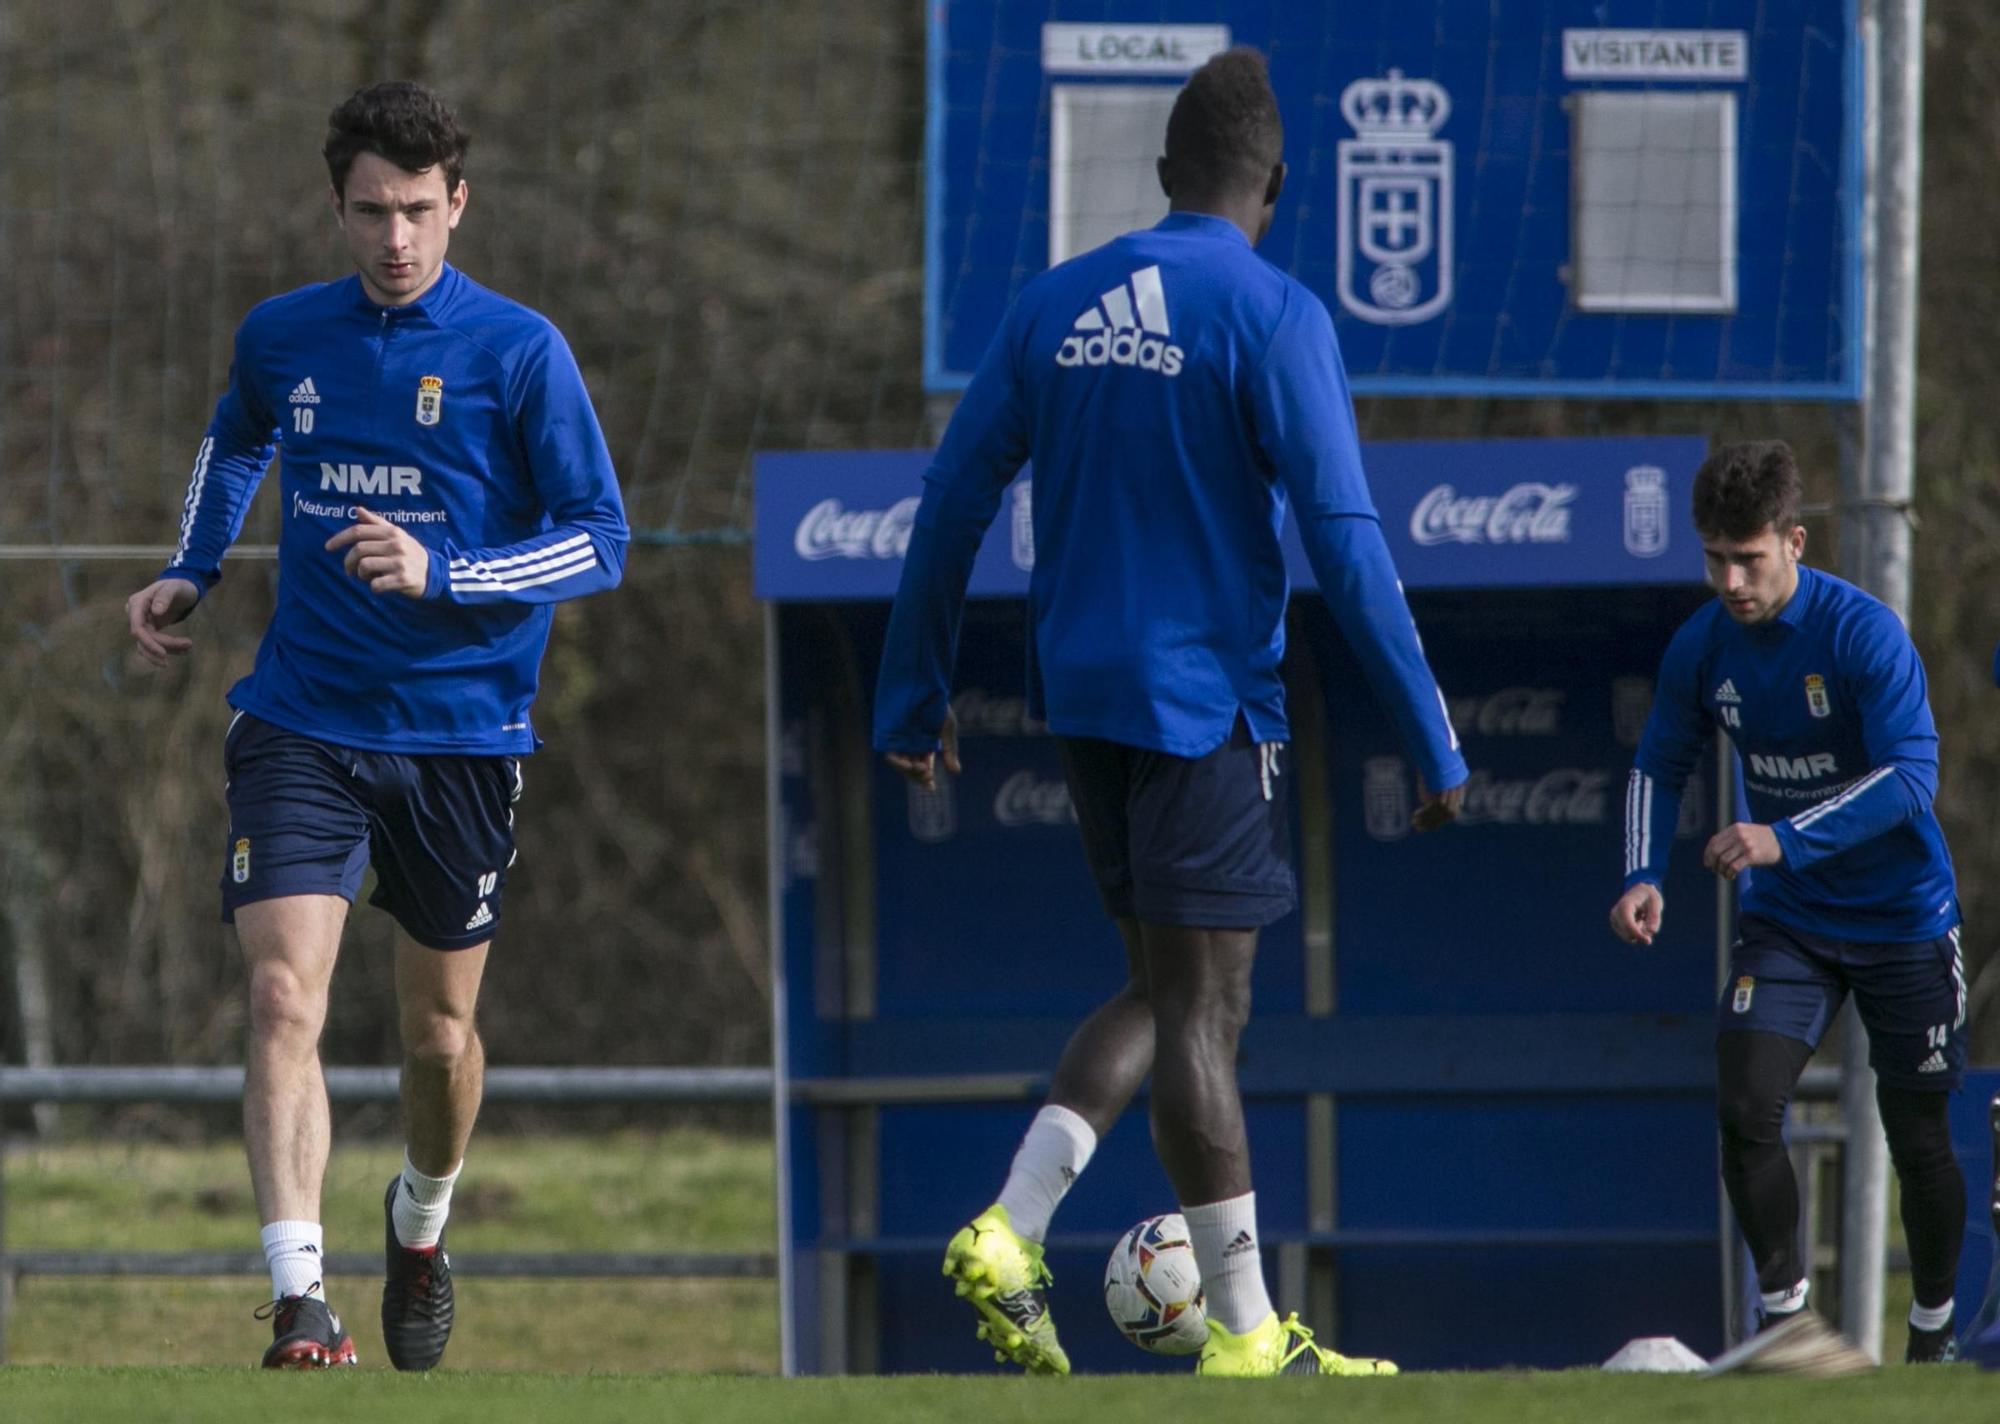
[1604,198]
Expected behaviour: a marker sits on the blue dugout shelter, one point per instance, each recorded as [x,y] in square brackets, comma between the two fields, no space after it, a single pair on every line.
[1483,1128]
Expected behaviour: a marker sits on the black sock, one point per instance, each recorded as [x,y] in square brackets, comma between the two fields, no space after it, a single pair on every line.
[1919,1133]
[1755,1073]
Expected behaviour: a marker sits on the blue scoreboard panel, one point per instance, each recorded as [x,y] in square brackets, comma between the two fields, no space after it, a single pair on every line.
[1605,198]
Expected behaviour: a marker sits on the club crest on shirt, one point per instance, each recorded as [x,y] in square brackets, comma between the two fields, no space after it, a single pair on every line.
[1816,702]
[430,400]
[1745,987]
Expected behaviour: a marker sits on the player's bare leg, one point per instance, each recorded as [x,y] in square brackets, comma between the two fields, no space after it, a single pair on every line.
[289,947]
[1199,983]
[444,1076]
[444,1063]
[1111,1052]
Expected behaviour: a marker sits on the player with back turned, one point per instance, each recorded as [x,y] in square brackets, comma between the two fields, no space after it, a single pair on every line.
[1845,883]
[444,482]
[1176,394]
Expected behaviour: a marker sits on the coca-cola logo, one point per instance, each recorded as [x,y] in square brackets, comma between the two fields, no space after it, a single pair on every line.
[830,531]
[982,714]
[1510,712]
[1529,513]
[1025,799]
[1566,796]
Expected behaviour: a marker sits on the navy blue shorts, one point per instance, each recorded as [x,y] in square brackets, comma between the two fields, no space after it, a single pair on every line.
[1203,842]
[1911,997]
[308,817]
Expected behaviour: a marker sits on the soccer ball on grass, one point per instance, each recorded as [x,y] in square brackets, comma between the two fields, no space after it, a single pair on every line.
[1152,1288]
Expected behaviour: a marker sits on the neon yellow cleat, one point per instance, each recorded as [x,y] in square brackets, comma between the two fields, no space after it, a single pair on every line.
[1278,1348]
[1001,1276]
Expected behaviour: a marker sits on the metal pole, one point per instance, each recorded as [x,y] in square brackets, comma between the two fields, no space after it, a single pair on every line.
[6,1260]
[777,838]
[1739,1278]
[1875,552]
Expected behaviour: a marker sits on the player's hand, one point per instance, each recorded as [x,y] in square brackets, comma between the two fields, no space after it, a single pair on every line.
[923,769]
[1436,808]
[1637,915]
[1737,848]
[382,555]
[157,606]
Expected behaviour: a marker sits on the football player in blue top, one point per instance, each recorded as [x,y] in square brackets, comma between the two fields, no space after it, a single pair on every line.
[444,482]
[1177,395]
[1844,882]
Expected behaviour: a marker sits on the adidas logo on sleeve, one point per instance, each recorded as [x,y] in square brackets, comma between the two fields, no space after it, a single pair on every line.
[1127,326]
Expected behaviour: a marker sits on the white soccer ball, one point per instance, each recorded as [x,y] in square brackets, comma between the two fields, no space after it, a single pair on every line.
[1152,1288]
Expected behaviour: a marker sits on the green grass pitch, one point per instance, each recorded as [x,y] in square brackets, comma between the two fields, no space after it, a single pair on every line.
[225,1396]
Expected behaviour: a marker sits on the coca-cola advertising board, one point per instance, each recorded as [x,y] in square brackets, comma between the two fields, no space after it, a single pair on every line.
[1505,910]
[1502,513]
[1457,514]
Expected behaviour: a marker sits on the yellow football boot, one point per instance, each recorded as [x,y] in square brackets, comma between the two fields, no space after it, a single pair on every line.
[1001,1276]
[1278,1348]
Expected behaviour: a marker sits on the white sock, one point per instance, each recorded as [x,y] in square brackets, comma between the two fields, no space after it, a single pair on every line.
[422,1203]
[1785,1302]
[1224,1235]
[1930,1318]
[1053,1154]
[293,1250]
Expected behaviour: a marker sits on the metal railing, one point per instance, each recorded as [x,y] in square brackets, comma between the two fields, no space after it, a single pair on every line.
[565,1086]
[579,1086]
[570,1087]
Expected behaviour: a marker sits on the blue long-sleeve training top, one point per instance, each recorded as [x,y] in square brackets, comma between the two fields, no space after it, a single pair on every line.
[1175,393]
[1830,714]
[462,419]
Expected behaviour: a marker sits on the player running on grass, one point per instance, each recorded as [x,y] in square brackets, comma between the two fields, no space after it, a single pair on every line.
[444,482]
[1845,882]
[1175,393]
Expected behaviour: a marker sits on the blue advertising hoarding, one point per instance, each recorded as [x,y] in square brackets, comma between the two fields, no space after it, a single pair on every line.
[1549,692]
[1456,513]
[1458,172]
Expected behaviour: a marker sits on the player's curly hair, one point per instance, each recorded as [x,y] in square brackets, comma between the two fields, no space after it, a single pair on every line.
[402,122]
[1740,490]
[1224,131]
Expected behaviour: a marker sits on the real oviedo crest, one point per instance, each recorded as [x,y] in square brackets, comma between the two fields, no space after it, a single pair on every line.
[1395,201]
[430,400]
[1646,528]
[1816,700]
[1385,798]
